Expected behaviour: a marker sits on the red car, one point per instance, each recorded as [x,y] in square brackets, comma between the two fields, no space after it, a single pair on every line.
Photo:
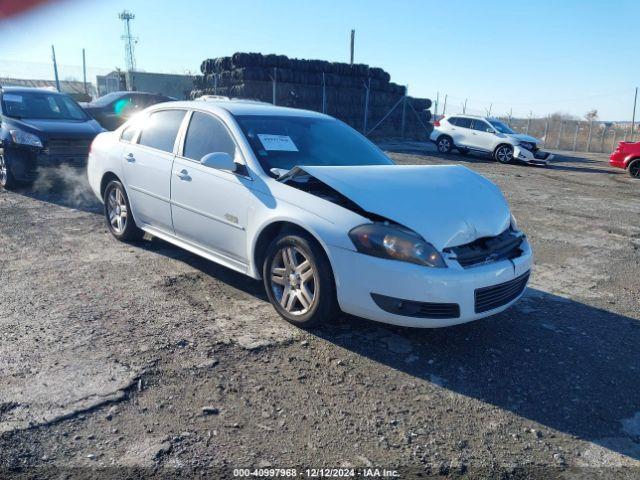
[627,156]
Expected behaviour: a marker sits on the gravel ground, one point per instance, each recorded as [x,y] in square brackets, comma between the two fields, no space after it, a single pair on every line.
[146,360]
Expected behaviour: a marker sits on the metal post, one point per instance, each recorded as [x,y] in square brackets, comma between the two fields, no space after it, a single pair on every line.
[366,106]
[404,109]
[589,137]
[274,80]
[510,115]
[546,131]
[84,72]
[633,119]
[464,107]
[529,122]
[602,139]
[575,136]
[324,94]
[55,67]
[613,141]
[435,107]
[560,135]
[444,108]
[353,42]
[215,83]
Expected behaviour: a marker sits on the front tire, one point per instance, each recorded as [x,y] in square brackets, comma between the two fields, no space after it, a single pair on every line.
[634,168]
[299,281]
[504,154]
[7,180]
[117,212]
[444,144]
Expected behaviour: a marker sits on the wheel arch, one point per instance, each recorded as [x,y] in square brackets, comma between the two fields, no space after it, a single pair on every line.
[271,230]
[630,159]
[503,144]
[107,177]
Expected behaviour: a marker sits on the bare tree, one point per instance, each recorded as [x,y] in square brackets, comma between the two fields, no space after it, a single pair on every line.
[591,115]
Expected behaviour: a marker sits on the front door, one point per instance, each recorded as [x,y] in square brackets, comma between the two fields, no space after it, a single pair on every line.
[482,136]
[210,207]
[147,169]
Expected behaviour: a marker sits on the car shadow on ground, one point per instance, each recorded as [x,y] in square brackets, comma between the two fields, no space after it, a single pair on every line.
[564,364]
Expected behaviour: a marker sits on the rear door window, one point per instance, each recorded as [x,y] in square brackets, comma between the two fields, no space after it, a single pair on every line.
[161,128]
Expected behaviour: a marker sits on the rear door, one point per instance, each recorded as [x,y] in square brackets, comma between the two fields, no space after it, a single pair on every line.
[147,168]
[210,206]
[460,131]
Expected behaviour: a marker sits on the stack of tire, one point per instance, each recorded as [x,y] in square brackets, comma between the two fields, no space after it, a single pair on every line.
[300,84]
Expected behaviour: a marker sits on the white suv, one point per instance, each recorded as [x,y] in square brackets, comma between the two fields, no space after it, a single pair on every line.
[487,135]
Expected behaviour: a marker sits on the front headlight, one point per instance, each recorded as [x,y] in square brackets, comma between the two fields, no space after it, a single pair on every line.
[527,145]
[25,138]
[395,243]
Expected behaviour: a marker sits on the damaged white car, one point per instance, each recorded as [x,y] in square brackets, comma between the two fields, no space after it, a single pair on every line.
[316,210]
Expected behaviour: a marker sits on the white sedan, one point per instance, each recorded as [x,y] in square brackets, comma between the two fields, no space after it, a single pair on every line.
[316,210]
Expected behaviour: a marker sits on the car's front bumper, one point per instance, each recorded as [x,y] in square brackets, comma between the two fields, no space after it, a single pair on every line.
[26,161]
[359,276]
[538,157]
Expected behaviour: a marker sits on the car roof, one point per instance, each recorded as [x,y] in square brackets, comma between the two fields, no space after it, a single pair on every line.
[244,107]
[28,89]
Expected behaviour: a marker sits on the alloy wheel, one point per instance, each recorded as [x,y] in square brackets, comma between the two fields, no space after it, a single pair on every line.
[294,280]
[634,169]
[117,210]
[504,154]
[3,171]
[444,145]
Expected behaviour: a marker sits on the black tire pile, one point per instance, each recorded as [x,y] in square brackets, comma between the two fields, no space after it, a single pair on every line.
[300,85]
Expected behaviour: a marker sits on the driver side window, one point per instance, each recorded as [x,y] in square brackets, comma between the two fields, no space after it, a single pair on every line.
[481,126]
[206,134]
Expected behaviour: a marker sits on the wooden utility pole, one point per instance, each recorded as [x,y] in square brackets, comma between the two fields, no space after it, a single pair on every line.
[353,43]
[55,67]
[84,72]
[633,119]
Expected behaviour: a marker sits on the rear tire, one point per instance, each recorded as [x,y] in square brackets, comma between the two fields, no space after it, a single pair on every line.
[298,280]
[504,154]
[117,212]
[444,144]
[634,168]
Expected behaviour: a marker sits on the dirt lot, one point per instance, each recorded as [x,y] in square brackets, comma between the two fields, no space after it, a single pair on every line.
[144,359]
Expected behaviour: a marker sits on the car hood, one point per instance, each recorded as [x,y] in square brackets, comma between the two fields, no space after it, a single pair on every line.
[48,128]
[446,205]
[524,138]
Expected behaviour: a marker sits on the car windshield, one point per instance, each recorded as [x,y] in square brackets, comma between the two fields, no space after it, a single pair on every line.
[41,105]
[501,127]
[285,142]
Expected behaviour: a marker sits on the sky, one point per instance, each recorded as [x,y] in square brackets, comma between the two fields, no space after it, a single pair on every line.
[535,56]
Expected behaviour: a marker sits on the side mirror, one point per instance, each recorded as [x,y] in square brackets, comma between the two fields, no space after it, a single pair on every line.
[219,161]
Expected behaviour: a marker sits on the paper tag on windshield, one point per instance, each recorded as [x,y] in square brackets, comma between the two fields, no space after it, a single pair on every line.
[278,143]
[8,97]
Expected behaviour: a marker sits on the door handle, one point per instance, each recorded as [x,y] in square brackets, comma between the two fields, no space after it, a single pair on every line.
[131,158]
[183,175]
